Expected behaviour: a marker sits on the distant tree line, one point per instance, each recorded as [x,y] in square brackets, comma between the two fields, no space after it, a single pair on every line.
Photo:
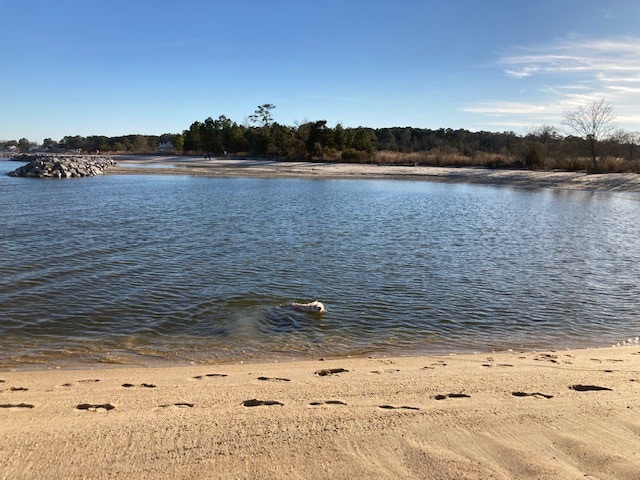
[592,145]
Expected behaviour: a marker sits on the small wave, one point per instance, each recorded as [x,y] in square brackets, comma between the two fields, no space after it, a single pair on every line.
[628,342]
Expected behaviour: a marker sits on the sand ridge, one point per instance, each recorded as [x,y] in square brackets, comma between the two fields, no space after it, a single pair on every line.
[565,414]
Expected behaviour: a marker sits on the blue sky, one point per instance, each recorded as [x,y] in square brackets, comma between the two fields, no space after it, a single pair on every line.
[72,67]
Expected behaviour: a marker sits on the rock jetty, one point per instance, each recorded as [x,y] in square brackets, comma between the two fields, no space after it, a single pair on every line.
[61,166]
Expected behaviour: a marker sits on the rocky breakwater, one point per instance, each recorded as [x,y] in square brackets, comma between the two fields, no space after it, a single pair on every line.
[61,166]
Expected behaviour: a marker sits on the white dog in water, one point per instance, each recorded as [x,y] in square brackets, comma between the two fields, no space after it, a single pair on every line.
[311,307]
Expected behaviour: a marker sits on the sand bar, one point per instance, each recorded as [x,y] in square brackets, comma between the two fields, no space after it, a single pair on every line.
[544,415]
[226,167]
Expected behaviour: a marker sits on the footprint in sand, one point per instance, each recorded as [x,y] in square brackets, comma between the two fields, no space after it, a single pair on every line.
[16,405]
[328,402]
[589,388]
[178,405]
[440,363]
[90,380]
[94,407]
[568,359]
[532,394]
[451,395]
[547,357]
[273,379]
[391,407]
[329,371]
[210,375]
[254,402]
[614,360]
[142,385]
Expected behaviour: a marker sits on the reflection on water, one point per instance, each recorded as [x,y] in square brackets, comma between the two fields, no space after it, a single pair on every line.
[142,269]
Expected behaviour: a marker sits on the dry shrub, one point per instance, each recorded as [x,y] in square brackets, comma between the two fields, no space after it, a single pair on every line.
[571,164]
[606,165]
[327,155]
[495,160]
[435,157]
[449,156]
[387,157]
[613,165]
[634,166]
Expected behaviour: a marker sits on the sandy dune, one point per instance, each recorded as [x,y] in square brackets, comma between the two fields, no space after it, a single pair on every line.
[549,415]
[221,167]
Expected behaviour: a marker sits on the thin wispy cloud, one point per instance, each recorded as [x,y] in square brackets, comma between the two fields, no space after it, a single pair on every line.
[570,72]
[524,72]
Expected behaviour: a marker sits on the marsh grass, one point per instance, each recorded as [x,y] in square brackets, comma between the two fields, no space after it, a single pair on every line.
[446,157]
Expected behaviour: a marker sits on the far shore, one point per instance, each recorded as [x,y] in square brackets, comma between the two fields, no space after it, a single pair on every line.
[544,415]
[262,168]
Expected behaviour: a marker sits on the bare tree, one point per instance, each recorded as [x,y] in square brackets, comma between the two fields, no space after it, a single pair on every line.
[544,132]
[593,123]
[627,143]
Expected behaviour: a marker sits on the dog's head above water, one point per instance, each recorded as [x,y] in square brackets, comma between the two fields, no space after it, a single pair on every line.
[317,306]
[312,307]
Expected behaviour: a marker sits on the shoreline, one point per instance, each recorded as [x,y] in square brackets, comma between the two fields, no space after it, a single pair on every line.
[553,414]
[123,361]
[258,168]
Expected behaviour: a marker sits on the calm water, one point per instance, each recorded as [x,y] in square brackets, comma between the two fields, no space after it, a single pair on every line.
[146,269]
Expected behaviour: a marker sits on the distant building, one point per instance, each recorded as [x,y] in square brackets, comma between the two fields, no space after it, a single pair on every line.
[165,147]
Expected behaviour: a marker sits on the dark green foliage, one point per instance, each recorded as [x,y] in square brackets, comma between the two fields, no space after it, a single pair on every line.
[126,143]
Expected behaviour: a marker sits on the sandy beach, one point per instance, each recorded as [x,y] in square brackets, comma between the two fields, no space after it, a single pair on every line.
[228,167]
[543,415]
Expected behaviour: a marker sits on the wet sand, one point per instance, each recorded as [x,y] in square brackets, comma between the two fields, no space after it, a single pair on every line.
[223,167]
[544,415]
